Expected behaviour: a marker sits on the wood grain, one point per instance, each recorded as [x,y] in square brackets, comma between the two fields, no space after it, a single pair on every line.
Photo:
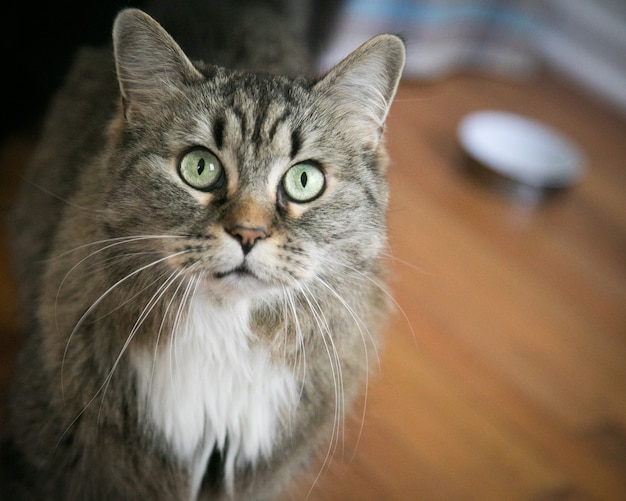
[503,375]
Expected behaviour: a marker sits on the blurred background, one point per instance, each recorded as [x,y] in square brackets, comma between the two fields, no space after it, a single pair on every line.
[583,39]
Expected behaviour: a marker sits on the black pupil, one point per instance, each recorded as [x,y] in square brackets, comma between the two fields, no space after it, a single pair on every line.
[304,179]
[200,166]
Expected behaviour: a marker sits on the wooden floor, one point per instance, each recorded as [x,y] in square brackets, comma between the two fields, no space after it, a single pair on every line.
[504,371]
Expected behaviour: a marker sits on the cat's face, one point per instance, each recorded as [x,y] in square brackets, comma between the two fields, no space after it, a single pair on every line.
[266,183]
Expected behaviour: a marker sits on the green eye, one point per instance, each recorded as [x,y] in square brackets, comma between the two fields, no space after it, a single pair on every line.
[201,170]
[304,182]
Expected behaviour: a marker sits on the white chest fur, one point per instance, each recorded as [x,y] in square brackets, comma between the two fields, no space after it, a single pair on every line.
[211,382]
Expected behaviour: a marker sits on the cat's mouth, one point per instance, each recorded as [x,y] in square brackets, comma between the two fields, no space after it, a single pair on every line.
[239,280]
[240,271]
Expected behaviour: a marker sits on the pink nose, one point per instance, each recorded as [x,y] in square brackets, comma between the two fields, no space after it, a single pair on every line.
[247,236]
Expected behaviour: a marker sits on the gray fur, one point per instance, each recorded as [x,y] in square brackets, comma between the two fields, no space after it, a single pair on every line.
[104,222]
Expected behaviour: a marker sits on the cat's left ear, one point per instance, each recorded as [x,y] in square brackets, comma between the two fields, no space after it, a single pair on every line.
[360,88]
[149,63]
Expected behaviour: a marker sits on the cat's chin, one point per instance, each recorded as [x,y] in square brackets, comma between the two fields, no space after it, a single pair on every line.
[238,283]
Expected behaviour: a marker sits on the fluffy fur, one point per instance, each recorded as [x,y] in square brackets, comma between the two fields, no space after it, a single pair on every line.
[197,341]
[249,397]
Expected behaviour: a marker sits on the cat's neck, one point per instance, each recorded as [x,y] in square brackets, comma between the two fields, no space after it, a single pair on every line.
[211,386]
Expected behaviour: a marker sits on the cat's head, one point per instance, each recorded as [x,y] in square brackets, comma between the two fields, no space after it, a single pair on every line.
[267,182]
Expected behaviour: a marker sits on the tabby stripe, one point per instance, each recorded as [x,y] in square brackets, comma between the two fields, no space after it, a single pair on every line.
[243,123]
[213,477]
[296,142]
[131,162]
[218,132]
[278,121]
[261,117]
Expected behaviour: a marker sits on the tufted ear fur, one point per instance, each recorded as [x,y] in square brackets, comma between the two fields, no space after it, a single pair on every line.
[360,88]
[148,61]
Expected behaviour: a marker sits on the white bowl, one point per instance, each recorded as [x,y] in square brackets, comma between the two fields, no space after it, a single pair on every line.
[521,149]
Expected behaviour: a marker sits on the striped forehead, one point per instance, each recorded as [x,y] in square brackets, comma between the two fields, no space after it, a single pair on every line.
[254,139]
[262,125]
[252,127]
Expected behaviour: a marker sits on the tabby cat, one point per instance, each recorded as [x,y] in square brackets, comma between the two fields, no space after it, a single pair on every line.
[199,252]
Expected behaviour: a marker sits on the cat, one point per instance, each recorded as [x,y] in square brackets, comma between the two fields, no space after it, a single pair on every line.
[199,250]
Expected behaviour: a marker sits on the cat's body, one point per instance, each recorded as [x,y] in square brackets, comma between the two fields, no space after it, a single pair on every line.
[202,288]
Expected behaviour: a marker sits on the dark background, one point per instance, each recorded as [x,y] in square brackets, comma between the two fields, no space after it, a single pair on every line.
[38,41]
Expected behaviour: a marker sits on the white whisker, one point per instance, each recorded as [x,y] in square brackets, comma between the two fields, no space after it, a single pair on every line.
[111,242]
[115,242]
[422,271]
[93,306]
[336,371]
[192,284]
[124,347]
[363,330]
[62,199]
[300,346]
[150,305]
[162,325]
[384,290]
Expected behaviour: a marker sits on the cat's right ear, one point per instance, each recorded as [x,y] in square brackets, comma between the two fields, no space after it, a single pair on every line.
[149,63]
[359,90]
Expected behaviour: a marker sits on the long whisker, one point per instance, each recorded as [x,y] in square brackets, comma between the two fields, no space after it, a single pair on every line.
[363,330]
[358,322]
[182,306]
[300,346]
[115,260]
[115,242]
[125,346]
[131,298]
[150,305]
[384,290]
[111,242]
[62,199]
[337,380]
[389,255]
[340,414]
[162,325]
[99,300]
